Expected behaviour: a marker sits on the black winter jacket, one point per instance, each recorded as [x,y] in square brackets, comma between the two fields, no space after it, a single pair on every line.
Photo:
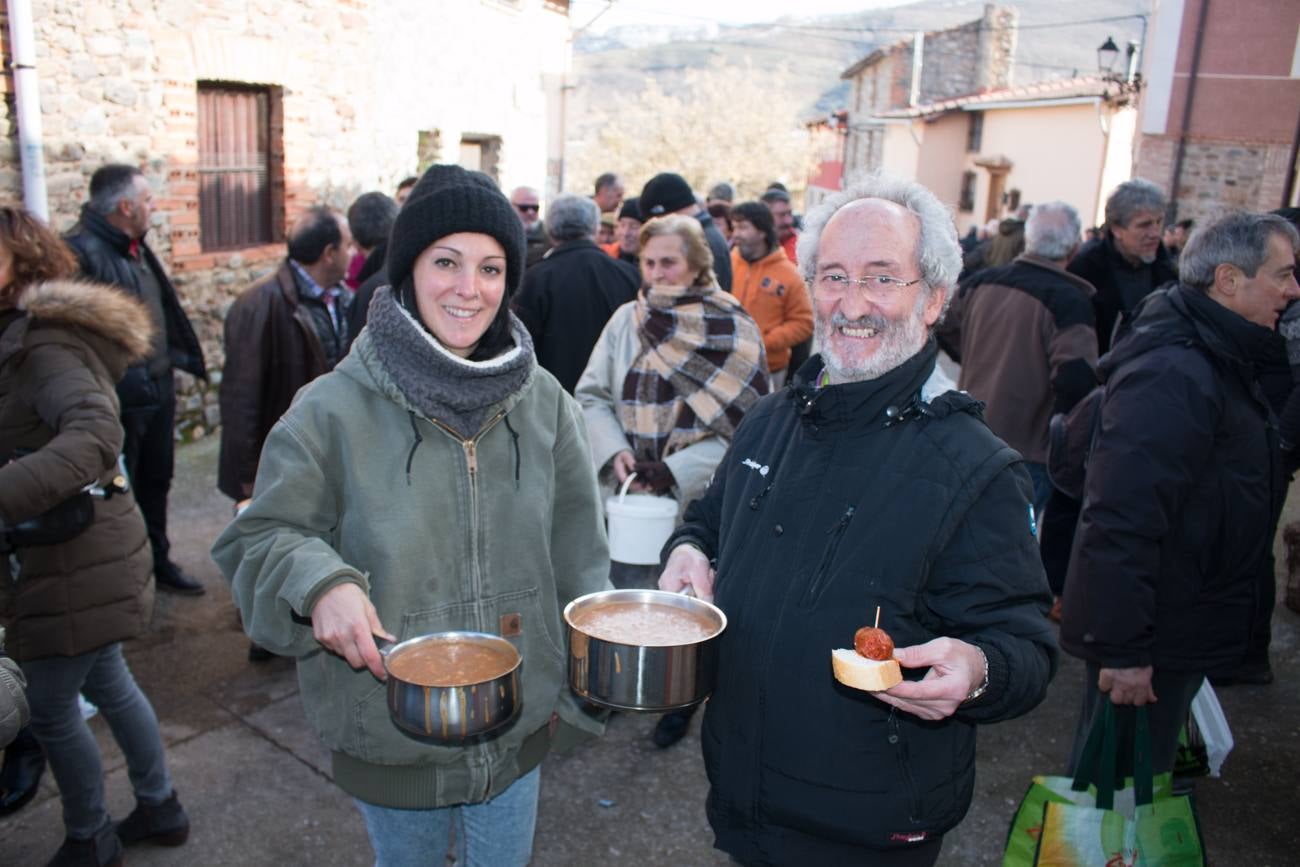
[1099,262]
[565,301]
[718,246]
[831,502]
[1183,491]
[102,253]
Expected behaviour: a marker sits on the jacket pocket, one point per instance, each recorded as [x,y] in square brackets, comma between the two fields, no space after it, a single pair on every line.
[911,794]
[821,576]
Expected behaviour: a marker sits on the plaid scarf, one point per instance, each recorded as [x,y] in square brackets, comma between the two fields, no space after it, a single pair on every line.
[701,366]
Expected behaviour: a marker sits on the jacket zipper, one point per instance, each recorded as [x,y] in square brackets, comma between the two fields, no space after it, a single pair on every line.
[476,573]
[836,532]
[471,462]
[904,767]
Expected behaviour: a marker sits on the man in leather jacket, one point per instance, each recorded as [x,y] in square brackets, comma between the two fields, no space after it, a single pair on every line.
[110,247]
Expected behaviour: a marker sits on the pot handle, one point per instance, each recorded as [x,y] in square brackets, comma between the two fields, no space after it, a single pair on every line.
[627,483]
[384,646]
[688,590]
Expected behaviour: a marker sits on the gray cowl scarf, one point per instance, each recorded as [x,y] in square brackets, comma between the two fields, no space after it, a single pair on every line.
[439,384]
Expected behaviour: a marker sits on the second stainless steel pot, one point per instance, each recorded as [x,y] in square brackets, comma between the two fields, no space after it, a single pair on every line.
[631,677]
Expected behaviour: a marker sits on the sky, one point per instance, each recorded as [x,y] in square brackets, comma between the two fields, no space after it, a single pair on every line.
[694,12]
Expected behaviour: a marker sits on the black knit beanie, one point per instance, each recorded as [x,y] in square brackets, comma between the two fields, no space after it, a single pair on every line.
[467,206]
[438,176]
[665,193]
[631,208]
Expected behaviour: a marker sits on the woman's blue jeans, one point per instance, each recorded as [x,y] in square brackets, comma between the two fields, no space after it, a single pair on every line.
[495,833]
[52,687]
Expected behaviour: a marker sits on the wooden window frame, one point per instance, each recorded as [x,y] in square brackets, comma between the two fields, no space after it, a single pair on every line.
[225,223]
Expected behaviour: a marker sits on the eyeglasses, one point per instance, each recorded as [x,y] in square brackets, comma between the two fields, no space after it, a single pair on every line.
[526,208]
[878,287]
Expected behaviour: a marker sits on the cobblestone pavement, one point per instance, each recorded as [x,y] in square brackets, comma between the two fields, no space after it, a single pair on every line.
[256,781]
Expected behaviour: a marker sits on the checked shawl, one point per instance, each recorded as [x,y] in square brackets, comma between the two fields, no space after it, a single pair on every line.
[701,366]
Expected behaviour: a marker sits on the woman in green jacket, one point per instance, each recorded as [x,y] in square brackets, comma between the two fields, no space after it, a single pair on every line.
[437,479]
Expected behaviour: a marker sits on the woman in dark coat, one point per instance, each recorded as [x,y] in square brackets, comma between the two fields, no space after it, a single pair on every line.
[68,600]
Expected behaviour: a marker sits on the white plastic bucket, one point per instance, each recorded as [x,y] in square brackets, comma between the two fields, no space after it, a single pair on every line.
[639,525]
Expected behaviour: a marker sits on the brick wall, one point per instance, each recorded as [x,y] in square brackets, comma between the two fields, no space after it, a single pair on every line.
[1216,174]
[356,81]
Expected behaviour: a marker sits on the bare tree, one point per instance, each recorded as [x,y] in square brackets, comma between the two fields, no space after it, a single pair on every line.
[725,122]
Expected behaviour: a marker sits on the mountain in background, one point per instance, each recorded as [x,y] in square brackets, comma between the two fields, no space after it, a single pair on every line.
[805,56]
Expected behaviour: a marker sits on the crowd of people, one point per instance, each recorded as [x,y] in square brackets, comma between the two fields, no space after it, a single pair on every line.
[426,402]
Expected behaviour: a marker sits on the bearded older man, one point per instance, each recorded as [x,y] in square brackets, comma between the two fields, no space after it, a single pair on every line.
[864,487]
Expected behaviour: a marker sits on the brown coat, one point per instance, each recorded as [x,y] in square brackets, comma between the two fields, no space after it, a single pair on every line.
[272,350]
[58,367]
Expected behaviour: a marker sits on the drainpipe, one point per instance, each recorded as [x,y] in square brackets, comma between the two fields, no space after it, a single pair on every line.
[918,50]
[31,149]
[1187,113]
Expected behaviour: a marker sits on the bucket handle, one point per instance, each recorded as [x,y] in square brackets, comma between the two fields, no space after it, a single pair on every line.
[627,483]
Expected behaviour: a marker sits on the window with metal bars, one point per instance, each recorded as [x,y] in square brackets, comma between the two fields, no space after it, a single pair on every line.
[234,166]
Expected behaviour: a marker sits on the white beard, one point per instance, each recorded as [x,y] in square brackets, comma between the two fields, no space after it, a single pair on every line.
[899,341]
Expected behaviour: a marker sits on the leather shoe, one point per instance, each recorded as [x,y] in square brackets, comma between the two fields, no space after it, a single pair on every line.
[164,824]
[672,727]
[20,778]
[173,580]
[258,653]
[101,850]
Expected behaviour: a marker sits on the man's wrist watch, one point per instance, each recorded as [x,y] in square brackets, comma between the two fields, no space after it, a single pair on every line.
[984,684]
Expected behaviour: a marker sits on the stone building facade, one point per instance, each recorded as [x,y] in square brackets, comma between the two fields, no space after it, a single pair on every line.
[1218,124]
[972,58]
[351,96]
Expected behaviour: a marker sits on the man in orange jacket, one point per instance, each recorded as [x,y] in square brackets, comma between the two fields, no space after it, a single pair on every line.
[768,284]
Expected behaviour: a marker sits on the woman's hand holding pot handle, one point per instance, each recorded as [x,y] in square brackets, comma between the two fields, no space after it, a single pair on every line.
[687,566]
[345,621]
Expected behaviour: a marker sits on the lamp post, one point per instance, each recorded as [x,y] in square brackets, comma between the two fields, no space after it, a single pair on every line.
[1125,84]
[1107,54]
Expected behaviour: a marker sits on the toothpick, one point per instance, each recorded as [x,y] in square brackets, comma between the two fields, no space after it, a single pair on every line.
[877,626]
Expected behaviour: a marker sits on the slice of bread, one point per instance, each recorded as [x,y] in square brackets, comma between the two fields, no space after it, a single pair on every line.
[853,669]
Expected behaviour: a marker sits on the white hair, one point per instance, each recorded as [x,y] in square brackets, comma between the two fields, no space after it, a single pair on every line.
[938,254]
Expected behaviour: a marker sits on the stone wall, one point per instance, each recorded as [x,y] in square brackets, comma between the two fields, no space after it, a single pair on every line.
[1216,174]
[357,82]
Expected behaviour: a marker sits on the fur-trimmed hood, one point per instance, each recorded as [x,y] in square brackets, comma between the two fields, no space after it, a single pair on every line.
[102,310]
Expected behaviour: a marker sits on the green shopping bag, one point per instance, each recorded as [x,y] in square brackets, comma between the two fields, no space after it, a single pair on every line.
[1154,829]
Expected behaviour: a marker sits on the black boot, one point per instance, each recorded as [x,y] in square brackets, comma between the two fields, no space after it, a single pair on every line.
[672,727]
[171,578]
[164,824]
[20,777]
[101,850]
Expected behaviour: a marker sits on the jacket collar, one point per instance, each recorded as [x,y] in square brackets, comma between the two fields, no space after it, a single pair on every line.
[570,246]
[1178,315]
[863,405]
[1037,261]
[776,254]
[106,231]
[288,285]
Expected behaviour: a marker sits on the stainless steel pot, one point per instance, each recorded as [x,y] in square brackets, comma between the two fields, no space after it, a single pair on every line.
[454,715]
[631,677]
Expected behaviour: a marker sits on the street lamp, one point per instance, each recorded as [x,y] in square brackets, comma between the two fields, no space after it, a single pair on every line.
[1107,54]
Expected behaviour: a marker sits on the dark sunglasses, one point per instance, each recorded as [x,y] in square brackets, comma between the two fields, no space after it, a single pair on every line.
[533,208]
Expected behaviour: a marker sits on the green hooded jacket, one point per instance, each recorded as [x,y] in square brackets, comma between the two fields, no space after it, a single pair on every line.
[442,533]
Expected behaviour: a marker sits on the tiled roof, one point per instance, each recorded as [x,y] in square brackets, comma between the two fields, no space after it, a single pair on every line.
[1059,88]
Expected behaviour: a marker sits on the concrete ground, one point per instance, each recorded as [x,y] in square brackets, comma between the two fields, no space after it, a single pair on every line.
[256,781]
